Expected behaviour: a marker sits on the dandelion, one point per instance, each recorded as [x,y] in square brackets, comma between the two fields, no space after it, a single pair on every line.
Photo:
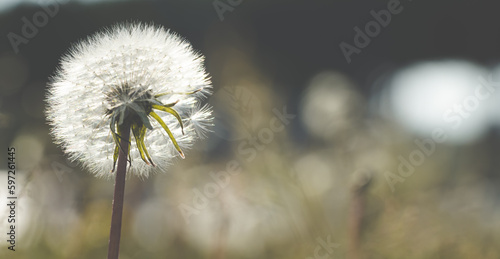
[143,74]
[128,95]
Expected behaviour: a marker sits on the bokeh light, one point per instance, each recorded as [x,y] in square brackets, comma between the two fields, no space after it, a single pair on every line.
[441,95]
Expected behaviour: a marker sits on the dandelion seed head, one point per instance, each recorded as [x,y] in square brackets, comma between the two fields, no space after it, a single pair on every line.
[197,118]
[116,72]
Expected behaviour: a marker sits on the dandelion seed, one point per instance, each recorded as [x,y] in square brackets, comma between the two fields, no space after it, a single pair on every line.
[138,73]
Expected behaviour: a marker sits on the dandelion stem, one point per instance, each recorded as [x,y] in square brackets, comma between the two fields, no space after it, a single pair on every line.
[116,217]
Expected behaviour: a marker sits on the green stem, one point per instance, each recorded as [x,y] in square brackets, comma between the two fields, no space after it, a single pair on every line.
[116,217]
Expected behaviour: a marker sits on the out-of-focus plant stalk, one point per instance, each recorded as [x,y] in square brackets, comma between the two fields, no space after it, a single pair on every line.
[356,215]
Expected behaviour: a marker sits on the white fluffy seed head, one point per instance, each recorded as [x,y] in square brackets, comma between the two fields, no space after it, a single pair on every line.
[147,59]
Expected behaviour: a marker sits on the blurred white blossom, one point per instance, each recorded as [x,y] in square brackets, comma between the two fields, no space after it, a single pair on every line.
[448,95]
[330,105]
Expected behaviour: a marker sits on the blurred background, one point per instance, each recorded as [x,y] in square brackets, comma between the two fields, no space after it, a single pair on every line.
[343,129]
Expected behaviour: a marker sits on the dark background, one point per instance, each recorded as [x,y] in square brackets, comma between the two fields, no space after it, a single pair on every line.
[290,40]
